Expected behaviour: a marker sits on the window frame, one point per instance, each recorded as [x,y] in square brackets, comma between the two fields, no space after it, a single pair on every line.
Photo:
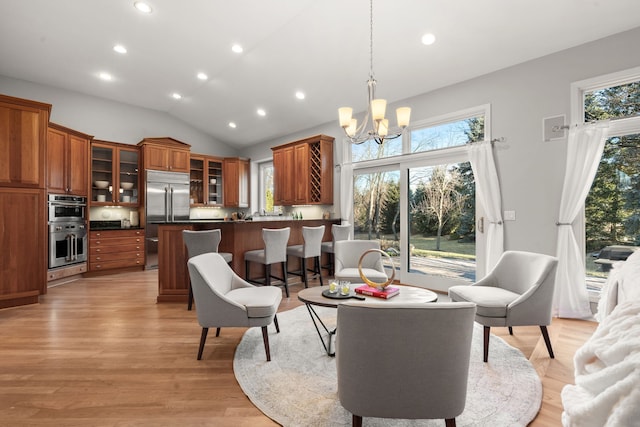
[617,127]
[425,158]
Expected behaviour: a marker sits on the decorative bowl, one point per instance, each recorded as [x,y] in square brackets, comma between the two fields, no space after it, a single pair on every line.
[101,184]
[126,185]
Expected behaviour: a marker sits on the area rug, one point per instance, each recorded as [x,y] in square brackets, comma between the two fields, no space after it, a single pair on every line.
[299,388]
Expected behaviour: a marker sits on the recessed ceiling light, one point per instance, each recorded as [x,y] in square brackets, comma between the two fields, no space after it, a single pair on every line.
[261,112]
[202,76]
[120,49]
[142,7]
[105,76]
[300,95]
[176,95]
[237,48]
[428,39]
[232,125]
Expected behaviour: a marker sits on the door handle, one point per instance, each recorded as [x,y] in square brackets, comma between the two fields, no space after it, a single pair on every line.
[166,204]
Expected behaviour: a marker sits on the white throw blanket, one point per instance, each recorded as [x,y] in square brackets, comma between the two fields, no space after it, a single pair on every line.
[607,374]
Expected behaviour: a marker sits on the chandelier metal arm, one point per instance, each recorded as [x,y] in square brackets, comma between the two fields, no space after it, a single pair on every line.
[380,130]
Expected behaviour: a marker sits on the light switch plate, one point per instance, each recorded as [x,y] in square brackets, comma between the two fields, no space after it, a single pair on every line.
[509,215]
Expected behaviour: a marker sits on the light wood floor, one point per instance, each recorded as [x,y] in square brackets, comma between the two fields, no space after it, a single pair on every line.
[102,352]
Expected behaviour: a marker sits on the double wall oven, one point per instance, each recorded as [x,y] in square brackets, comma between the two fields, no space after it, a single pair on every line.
[67,230]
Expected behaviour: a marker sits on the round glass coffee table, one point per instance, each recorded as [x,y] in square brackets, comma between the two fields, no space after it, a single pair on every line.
[313,297]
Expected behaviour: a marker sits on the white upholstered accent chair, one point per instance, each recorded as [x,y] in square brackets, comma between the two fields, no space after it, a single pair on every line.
[338,232]
[311,248]
[517,292]
[407,361]
[274,252]
[224,299]
[347,255]
[201,242]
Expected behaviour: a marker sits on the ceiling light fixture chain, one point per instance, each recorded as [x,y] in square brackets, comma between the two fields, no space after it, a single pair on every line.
[380,130]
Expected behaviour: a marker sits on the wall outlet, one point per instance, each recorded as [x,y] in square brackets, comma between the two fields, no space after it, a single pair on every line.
[509,215]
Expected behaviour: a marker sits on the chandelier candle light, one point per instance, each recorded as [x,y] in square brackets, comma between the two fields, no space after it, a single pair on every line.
[376,108]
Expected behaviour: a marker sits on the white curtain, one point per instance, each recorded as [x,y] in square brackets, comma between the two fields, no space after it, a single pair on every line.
[584,149]
[488,195]
[346,192]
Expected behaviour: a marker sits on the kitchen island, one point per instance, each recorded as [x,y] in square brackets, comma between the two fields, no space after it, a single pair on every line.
[237,238]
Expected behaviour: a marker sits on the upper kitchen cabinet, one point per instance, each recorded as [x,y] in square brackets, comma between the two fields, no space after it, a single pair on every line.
[67,161]
[206,181]
[23,132]
[165,154]
[114,174]
[236,182]
[303,172]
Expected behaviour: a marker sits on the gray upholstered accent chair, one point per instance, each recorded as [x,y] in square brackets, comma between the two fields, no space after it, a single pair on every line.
[311,248]
[224,299]
[201,242]
[347,255]
[407,361]
[517,292]
[275,251]
[338,232]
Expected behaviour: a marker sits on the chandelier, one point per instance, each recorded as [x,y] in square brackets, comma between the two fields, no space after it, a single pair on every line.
[379,130]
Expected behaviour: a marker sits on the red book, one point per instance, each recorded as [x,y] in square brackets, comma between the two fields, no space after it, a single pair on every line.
[387,293]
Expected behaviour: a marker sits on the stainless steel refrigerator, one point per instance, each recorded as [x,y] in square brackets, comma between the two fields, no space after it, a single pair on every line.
[166,201]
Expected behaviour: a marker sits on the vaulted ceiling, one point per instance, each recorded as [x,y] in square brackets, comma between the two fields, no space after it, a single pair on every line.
[318,47]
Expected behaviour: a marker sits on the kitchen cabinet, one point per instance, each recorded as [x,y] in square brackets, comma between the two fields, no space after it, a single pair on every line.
[283,176]
[23,216]
[303,172]
[206,181]
[165,154]
[23,135]
[236,182]
[114,174]
[109,249]
[23,236]
[67,161]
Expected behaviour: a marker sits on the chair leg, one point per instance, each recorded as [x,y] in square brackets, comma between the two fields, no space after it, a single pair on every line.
[246,270]
[547,341]
[487,331]
[265,338]
[284,277]
[510,330]
[275,322]
[303,270]
[317,269]
[203,338]
[356,420]
[450,422]
[190,301]
[217,332]
[267,275]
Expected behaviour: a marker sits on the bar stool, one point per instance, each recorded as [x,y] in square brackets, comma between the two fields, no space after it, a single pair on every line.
[275,251]
[310,249]
[338,232]
[201,242]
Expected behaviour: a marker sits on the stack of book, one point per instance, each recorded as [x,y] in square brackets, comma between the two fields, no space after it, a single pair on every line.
[387,293]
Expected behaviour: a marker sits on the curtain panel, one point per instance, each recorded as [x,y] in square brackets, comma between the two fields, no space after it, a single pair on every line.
[488,195]
[584,149]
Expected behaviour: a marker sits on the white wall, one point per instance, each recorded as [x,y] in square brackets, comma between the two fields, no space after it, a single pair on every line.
[531,171]
[112,121]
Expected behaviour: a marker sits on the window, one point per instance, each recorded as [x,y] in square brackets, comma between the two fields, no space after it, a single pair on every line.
[419,202]
[612,208]
[266,186]
[447,135]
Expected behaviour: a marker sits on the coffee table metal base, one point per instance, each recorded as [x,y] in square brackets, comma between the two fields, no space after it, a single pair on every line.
[330,333]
